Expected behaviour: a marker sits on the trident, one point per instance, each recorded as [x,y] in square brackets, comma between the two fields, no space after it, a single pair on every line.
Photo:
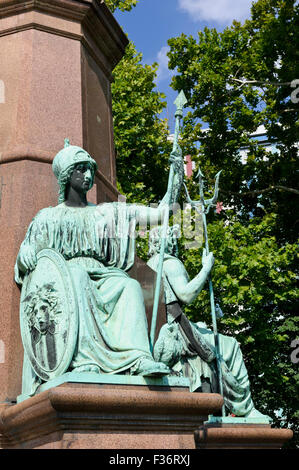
[206,204]
[180,103]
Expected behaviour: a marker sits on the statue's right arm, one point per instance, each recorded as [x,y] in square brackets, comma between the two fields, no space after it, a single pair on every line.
[155,215]
[26,258]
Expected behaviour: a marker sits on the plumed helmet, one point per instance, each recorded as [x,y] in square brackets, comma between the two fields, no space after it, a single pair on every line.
[68,156]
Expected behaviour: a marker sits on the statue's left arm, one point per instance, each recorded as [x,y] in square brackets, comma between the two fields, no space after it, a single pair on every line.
[150,215]
[185,290]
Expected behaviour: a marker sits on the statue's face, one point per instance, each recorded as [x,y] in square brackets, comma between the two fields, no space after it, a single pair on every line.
[82,177]
[41,316]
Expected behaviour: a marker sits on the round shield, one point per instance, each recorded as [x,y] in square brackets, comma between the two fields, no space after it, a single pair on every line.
[49,315]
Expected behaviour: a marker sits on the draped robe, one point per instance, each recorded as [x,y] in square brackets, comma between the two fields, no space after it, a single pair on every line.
[98,245]
[175,346]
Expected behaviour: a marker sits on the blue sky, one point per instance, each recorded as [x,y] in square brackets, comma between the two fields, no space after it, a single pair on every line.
[152,22]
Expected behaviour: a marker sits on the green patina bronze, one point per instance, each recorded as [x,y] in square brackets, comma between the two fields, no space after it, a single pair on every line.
[81,314]
[49,315]
[180,102]
[203,208]
[80,310]
[189,348]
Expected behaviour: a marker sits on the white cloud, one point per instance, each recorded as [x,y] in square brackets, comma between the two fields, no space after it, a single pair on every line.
[219,11]
[163,72]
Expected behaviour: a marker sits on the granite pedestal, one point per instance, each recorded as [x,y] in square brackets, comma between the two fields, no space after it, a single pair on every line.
[240,433]
[127,413]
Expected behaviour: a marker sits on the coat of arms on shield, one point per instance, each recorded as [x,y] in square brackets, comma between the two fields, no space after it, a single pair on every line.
[49,315]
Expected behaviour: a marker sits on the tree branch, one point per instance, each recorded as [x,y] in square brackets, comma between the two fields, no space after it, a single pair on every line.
[260,191]
[260,82]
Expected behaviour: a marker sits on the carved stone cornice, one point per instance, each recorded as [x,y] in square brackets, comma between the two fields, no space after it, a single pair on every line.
[71,9]
[46,157]
[89,21]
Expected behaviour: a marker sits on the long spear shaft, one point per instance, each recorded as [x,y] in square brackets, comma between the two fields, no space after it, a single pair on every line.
[179,102]
[202,212]
[213,314]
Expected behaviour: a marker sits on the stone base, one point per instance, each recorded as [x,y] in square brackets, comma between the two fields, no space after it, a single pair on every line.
[107,416]
[239,433]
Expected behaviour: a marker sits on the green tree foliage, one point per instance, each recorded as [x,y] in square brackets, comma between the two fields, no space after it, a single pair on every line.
[140,136]
[123,5]
[141,142]
[255,284]
[231,80]
[235,81]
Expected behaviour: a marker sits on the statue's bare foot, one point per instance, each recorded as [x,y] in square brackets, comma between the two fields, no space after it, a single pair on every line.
[149,368]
